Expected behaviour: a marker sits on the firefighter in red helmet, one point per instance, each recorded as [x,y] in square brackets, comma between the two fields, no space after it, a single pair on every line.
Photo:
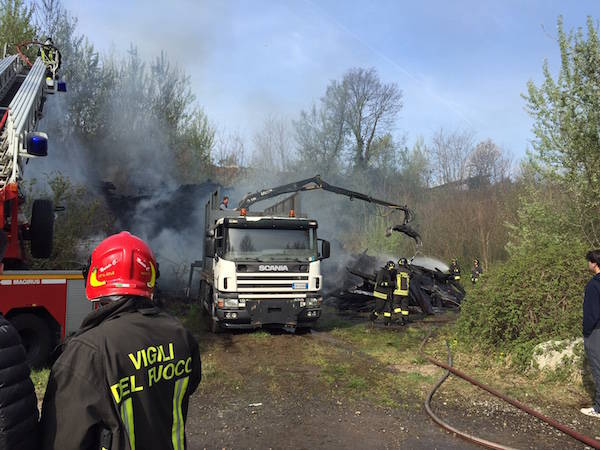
[124,379]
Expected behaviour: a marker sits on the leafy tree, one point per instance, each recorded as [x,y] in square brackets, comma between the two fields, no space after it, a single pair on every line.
[415,172]
[450,152]
[354,120]
[16,24]
[273,146]
[229,150]
[320,136]
[85,221]
[371,111]
[566,113]
[193,146]
[487,163]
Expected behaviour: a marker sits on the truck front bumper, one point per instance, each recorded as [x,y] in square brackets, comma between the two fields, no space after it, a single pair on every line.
[259,313]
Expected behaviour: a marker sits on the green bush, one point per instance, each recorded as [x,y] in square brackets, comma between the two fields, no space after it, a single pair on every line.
[534,297]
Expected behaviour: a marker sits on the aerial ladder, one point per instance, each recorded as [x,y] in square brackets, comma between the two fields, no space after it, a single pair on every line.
[45,306]
[24,87]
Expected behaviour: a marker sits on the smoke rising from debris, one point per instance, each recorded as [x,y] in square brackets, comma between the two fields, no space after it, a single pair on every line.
[128,163]
[120,151]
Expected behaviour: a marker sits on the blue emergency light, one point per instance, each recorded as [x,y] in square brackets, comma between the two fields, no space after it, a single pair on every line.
[37,144]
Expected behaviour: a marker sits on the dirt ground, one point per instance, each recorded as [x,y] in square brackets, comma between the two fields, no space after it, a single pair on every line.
[334,388]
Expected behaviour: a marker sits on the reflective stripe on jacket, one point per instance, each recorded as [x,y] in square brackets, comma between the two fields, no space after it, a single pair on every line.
[402,283]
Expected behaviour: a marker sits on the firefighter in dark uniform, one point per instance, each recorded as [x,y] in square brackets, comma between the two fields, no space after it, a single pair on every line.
[124,380]
[385,284]
[476,271]
[455,269]
[401,291]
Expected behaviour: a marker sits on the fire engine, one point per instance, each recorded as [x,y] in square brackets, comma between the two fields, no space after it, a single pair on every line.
[44,306]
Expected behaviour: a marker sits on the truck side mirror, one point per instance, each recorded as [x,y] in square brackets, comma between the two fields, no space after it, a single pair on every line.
[325,249]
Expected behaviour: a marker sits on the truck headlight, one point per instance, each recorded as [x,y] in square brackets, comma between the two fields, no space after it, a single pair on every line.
[231,303]
[312,302]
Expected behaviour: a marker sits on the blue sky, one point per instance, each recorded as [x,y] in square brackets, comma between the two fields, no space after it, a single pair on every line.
[461,64]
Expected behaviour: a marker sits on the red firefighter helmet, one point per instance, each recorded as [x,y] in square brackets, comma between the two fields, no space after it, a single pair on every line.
[122,264]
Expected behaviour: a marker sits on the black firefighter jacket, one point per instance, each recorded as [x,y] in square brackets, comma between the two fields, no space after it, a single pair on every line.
[385,280]
[124,380]
[18,404]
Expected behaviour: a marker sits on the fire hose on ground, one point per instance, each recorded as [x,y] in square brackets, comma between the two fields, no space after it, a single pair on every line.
[450,369]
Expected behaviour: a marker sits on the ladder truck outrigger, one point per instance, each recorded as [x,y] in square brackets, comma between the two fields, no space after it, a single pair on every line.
[263,268]
[44,306]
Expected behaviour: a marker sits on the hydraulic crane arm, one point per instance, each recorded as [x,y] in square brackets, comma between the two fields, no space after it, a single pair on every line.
[314,183]
[407,231]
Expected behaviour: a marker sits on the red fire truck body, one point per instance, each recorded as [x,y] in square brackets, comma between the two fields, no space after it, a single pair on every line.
[44,306]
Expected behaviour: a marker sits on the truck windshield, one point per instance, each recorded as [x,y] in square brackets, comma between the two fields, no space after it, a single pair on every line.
[269,244]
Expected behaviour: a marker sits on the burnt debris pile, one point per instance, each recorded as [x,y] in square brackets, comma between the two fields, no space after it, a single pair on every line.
[432,287]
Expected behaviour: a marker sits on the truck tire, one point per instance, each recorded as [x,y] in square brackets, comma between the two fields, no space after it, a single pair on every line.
[213,322]
[201,298]
[36,337]
[42,228]
[214,326]
[207,307]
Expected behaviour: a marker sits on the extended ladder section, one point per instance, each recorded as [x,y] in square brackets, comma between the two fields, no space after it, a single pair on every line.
[10,67]
[24,91]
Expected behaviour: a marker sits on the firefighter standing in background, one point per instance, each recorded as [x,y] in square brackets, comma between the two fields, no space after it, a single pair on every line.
[455,269]
[124,380]
[476,271]
[401,291]
[385,283]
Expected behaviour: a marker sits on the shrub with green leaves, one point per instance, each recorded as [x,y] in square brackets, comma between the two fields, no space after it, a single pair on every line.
[534,297]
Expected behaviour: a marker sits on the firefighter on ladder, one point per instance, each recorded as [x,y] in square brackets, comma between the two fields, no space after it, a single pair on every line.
[401,291]
[385,284]
[51,57]
[125,378]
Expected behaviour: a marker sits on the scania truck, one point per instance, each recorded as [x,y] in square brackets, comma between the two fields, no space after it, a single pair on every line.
[264,268]
[260,269]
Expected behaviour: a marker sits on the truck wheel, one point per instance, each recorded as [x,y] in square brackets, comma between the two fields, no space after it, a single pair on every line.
[36,337]
[42,228]
[201,298]
[214,326]
[213,323]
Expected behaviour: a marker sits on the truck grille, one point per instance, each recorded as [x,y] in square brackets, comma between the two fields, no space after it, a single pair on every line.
[271,283]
